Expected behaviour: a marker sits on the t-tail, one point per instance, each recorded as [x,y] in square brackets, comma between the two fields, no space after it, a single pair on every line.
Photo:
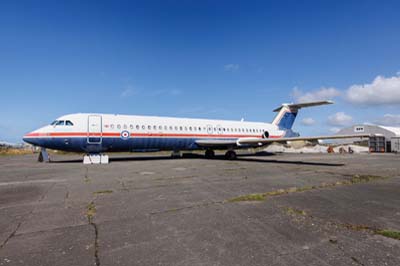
[287,113]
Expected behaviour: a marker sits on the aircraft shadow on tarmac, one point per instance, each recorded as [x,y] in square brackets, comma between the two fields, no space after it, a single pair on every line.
[243,157]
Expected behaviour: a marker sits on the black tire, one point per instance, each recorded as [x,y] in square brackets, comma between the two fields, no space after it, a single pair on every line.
[209,154]
[40,157]
[230,155]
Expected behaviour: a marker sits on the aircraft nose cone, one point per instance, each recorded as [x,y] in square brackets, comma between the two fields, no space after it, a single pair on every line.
[28,138]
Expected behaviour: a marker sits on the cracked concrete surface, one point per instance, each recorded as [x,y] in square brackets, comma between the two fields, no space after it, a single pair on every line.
[180,214]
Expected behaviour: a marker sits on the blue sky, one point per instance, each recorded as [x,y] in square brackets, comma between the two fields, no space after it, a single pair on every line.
[207,59]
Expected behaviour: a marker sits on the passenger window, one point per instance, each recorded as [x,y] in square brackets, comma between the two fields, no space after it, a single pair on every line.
[176,128]
[119,126]
[131,126]
[160,127]
[190,128]
[170,127]
[143,127]
[137,127]
[181,128]
[112,126]
[149,127]
[155,127]
[125,126]
[200,128]
[68,123]
[165,128]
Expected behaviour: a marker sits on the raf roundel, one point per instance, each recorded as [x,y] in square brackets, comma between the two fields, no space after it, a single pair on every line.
[125,135]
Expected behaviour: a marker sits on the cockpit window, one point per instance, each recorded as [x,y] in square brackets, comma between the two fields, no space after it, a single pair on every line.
[62,123]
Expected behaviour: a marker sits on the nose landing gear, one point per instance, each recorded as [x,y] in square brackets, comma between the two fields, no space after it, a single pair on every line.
[43,156]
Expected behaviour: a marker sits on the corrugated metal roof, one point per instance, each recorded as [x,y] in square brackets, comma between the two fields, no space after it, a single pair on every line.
[395,130]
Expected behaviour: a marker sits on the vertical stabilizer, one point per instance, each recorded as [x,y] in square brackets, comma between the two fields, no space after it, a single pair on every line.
[287,113]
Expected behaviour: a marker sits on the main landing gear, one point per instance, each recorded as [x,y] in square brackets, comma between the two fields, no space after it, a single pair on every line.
[230,155]
[209,154]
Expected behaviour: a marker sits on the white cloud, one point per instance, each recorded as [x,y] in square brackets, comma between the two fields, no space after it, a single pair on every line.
[381,91]
[334,130]
[126,93]
[308,121]
[231,67]
[340,119]
[316,95]
[389,120]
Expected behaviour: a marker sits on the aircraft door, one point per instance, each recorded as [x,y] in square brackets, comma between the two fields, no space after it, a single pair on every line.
[94,135]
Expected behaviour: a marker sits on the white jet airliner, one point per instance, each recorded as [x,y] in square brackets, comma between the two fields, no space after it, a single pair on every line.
[101,133]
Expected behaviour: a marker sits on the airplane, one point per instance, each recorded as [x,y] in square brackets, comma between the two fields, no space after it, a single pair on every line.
[96,134]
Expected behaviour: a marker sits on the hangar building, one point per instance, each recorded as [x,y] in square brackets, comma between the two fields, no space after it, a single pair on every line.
[386,139]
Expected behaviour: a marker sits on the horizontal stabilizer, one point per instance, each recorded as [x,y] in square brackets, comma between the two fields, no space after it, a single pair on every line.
[297,106]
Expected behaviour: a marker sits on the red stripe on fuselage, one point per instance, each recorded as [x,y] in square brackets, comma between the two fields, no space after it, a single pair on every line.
[116,134]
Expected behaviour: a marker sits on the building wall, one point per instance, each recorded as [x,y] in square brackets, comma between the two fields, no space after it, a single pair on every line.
[368,129]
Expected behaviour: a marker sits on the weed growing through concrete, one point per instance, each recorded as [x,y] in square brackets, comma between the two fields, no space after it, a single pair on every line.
[100,192]
[294,211]
[389,233]
[356,179]
[250,197]
[90,211]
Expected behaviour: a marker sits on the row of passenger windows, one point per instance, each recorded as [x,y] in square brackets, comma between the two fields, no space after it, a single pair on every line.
[187,128]
[62,123]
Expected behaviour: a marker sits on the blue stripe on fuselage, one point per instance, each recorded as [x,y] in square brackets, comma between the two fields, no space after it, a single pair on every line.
[117,144]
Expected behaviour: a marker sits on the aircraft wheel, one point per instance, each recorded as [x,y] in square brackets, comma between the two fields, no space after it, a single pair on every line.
[209,154]
[230,155]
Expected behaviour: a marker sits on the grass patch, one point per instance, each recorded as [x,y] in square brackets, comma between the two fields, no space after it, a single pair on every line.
[294,211]
[263,196]
[14,151]
[250,197]
[389,233]
[90,211]
[365,178]
[100,192]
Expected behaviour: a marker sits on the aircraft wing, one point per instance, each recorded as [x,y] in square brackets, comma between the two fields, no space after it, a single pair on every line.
[261,141]
[217,143]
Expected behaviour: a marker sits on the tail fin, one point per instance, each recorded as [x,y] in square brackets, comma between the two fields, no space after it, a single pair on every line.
[287,113]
